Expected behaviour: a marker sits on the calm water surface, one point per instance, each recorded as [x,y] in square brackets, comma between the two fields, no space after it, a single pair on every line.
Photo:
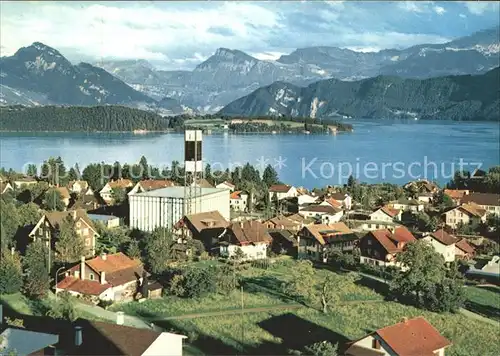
[376,151]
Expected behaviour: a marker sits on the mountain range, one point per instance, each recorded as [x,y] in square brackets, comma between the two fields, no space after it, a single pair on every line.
[40,75]
[463,97]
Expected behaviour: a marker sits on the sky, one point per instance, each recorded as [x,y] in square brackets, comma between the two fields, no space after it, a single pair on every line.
[180,35]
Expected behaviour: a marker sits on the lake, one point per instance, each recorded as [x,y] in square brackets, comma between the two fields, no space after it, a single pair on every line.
[377,151]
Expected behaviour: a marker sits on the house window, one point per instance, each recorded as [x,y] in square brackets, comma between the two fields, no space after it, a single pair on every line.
[376,344]
[85,231]
[91,276]
[78,224]
[369,242]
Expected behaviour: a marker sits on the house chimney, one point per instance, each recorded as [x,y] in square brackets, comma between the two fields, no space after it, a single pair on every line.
[78,335]
[104,256]
[103,277]
[82,268]
[77,274]
[120,316]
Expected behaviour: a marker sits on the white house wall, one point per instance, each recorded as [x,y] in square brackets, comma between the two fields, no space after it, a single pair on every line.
[167,344]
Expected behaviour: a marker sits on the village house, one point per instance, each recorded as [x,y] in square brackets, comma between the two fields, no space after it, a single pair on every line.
[27,181]
[107,191]
[316,241]
[65,195]
[44,336]
[109,221]
[411,337]
[456,194]
[407,205]
[464,214]
[443,243]
[47,228]
[425,197]
[205,227]
[386,213]
[202,183]
[332,202]
[85,200]
[464,250]
[284,241]
[238,201]
[421,185]
[380,247]
[488,201]
[284,223]
[5,187]
[251,237]
[148,185]
[107,277]
[78,186]
[282,191]
[226,185]
[327,214]
[305,198]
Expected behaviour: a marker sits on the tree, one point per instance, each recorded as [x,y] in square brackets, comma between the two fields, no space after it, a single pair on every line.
[9,223]
[92,174]
[36,265]
[159,249]
[29,214]
[69,246]
[113,240]
[11,278]
[226,279]
[444,201]
[332,287]
[301,283]
[53,200]
[119,196]
[133,250]
[208,174]
[54,171]
[143,163]
[74,173]
[31,170]
[239,255]
[424,268]
[270,176]
[64,309]
[199,282]
[351,182]
[322,348]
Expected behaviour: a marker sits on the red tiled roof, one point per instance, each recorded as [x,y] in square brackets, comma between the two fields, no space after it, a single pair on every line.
[456,193]
[152,184]
[120,183]
[384,238]
[112,263]
[413,337]
[443,237]
[280,188]
[390,211]
[464,246]
[333,202]
[85,286]
[236,194]
[402,234]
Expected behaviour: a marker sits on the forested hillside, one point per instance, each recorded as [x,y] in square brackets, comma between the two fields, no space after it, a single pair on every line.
[77,118]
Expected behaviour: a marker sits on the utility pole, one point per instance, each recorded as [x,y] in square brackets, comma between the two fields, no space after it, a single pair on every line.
[242,319]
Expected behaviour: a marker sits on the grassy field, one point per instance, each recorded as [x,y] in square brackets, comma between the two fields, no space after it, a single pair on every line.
[362,310]
[484,301]
[16,302]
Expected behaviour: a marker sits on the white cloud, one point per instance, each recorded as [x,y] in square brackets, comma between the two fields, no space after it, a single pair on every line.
[439,10]
[478,7]
[413,6]
[463,16]
[267,56]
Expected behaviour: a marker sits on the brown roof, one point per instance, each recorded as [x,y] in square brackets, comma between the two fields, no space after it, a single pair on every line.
[208,220]
[456,193]
[389,240]
[473,209]
[64,192]
[85,286]
[101,338]
[112,263]
[322,231]
[120,183]
[390,211]
[338,196]
[152,184]
[464,246]
[482,199]
[328,209]
[296,217]
[203,183]
[281,220]
[248,232]
[82,183]
[413,337]
[443,237]
[56,218]
[280,188]
[333,202]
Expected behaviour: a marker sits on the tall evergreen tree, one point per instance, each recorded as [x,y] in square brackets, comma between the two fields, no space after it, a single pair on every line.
[37,267]
[52,200]
[270,176]
[69,246]
[11,278]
